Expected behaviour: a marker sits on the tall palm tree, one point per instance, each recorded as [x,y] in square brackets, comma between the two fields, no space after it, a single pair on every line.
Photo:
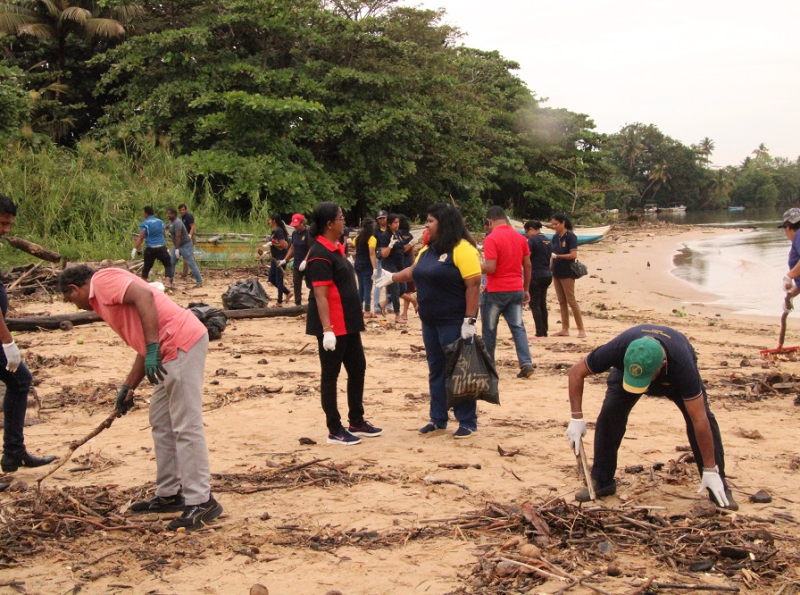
[706,148]
[762,153]
[632,146]
[659,177]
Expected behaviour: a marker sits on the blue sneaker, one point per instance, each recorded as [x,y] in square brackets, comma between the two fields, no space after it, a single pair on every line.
[463,432]
[364,429]
[344,438]
[429,427]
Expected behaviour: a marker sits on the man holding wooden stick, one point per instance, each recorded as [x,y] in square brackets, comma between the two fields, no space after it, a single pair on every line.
[15,375]
[658,361]
[171,346]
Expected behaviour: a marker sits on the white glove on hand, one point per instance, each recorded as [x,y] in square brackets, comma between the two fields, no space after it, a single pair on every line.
[575,431]
[328,341]
[788,283]
[281,263]
[133,253]
[374,275]
[384,280]
[177,254]
[392,242]
[13,356]
[713,482]
[302,266]
[468,329]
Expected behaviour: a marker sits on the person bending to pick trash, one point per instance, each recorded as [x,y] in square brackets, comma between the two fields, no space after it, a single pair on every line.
[171,346]
[658,361]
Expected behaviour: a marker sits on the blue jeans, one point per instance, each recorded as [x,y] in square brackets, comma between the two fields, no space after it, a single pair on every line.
[365,289]
[435,338]
[15,403]
[187,253]
[509,304]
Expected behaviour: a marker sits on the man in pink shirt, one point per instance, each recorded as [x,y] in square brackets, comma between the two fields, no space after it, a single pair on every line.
[171,346]
[507,266]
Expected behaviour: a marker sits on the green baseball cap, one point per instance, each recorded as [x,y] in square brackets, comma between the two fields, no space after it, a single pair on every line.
[643,358]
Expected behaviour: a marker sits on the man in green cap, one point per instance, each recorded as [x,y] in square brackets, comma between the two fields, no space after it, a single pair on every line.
[658,361]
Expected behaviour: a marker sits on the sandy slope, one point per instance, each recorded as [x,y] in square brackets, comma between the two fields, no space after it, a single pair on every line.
[248,434]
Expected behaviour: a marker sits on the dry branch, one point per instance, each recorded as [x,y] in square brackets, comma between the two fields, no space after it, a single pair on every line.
[33,249]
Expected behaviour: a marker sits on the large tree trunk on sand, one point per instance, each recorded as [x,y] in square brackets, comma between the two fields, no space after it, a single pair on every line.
[33,249]
[35,323]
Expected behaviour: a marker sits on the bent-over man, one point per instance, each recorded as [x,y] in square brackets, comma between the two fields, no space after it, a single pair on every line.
[171,346]
[658,361]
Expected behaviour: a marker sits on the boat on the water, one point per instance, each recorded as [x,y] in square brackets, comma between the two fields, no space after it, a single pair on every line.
[674,207]
[651,207]
[736,208]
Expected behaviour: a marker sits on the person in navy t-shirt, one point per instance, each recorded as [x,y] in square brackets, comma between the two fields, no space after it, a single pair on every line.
[658,361]
[541,275]
[791,281]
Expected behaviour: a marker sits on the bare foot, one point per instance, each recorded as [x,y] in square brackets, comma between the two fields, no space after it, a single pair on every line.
[581,334]
[561,333]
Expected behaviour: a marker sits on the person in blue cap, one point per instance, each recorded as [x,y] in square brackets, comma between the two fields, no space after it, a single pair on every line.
[658,361]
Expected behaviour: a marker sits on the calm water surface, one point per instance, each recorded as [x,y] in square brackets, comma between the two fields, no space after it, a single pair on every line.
[744,269]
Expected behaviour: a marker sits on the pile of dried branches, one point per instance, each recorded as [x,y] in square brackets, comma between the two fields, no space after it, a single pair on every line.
[559,541]
[300,475]
[88,394]
[223,398]
[756,387]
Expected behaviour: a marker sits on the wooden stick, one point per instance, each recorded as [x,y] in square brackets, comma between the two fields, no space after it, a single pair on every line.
[644,587]
[77,444]
[33,249]
[583,464]
[23,275]
[691,587]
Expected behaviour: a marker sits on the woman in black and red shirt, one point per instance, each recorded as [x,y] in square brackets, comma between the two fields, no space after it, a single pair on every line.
[334,317]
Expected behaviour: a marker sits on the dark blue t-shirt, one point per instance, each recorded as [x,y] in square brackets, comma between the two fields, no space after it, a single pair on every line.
[678,379]
[541,249]
[441,290]
[394,261]
[300,243]
[406,238]
[563,245]
[277,235]
[188,221]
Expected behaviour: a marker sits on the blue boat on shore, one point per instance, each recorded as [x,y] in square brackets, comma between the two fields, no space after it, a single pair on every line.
[736,208]
[585,235]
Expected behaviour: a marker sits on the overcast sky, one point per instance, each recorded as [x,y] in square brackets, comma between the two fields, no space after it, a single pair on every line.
[726,70]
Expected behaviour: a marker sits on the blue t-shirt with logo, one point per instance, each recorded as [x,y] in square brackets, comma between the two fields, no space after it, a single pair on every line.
[678,379]
[153,229]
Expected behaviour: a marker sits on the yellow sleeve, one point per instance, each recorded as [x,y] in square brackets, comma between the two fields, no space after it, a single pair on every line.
[372,243]
[467,259]
[420,253]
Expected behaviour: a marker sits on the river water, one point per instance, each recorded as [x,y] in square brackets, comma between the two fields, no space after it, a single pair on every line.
[743,269]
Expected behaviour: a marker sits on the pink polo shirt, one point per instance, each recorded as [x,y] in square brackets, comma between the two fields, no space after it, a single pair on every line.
[178,328]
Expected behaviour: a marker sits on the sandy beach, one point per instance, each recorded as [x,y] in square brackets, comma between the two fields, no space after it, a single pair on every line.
[376,518]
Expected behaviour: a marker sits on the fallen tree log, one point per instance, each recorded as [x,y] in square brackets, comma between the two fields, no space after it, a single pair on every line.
[36,323]
[33,249]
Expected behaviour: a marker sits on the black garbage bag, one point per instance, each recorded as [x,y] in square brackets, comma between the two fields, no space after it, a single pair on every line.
[245,294]
[212,318]
[470,374]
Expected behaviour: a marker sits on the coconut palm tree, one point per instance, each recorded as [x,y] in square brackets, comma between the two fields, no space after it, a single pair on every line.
[762,153]
[659,177]
[706,147]
[632,146]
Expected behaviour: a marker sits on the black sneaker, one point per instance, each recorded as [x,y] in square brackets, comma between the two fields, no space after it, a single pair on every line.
[463,432]
[609,490]
[196,515]
[344,438]
[365,429]
[525,372]
[158,504]
[429,427]
[10,463]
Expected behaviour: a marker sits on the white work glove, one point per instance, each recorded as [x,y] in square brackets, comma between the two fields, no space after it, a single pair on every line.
[133,253]
[302,266]
[788,283]
[177,254]
[13,356]
[468,329]
[374,275]
[392,242]
[384,280]
[712,481]
[328,341]
[575,431]
[281,263]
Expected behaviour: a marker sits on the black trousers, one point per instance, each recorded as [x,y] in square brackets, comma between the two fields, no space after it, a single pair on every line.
[160,254]
[297,282]
[350,352]
[612,423]
[538,290]
[15,403]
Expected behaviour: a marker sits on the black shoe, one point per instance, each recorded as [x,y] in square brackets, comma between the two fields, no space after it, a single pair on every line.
[196,515]
[158,504]
[525,372]
[11,463]
[4,486]
[609,490]
[732,504]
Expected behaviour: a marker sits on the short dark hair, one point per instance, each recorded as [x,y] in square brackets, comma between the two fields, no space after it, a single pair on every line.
[183,206]
[172,210]
[149,210]
[496,213]
[77,275]
[7,206]
[532,224]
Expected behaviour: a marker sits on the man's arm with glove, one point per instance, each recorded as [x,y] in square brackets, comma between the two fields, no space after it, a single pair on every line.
[577,425]
[10,349]
[142,299]
[705,441]
[712,481]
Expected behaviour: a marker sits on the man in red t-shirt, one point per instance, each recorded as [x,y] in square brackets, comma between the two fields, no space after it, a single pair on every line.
[507,267]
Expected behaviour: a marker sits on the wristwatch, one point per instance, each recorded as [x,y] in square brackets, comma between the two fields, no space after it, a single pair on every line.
[472,320]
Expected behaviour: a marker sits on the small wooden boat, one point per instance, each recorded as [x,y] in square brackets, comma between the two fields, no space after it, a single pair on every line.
[673,207]
[651,207]
[586,235]
[736,208]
